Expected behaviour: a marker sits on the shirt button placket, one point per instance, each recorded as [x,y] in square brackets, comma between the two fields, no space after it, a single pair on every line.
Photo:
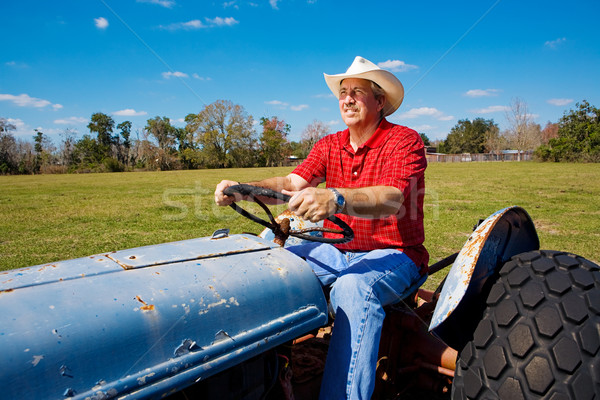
[356,166]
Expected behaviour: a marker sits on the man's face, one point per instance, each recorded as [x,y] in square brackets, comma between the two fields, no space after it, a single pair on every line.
[358,105]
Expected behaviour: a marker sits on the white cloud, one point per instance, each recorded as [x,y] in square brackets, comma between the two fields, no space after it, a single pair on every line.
[202,78]
[396,66]
[422,128]
[218,21]
[277,103]
[426,112]
[189,25]
[482,92]
[18,123]
[560,102]
[324,96]
[70,120]
[14,64]
[101,23]
[129,112]
[197,24]
[273,4]
[176,74]
[24,100]
[162,3]
[555,43]
[233,4]
[491,109]
[299,107]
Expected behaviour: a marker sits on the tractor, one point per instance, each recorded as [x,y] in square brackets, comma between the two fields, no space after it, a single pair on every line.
[240,317]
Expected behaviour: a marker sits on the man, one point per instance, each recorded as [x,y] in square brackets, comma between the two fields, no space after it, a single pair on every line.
[374,174]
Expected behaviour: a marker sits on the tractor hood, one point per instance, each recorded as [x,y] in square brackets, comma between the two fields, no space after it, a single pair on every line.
[145,322]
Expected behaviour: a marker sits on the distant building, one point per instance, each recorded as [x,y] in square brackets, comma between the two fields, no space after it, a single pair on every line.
[292,161]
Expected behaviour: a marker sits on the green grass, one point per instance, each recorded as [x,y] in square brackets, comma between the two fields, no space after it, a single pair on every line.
[48,218]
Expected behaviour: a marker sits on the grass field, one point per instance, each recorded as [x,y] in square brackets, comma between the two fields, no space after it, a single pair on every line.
[48,218]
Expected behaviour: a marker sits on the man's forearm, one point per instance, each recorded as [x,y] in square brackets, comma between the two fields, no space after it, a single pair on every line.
[291,182]
[372,201]
[277,183]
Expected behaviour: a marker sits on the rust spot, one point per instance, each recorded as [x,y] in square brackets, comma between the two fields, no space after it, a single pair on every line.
[210,287]
[6,291]
[146,306]
[132,257]
[157,273]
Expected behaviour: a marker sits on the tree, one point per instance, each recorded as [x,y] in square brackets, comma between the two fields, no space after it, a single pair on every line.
[162,130]
[494,142]
[311,135]
[88,153]
[467,136]
[550,131]
[67,148]
[578,136]
[8,150]
[123,148]
[39,149]
[523,134]
[425,139]
[224,133]
[6,126]
[103,126]
[274,146]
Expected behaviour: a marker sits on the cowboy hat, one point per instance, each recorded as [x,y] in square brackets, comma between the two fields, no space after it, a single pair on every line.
[365,69]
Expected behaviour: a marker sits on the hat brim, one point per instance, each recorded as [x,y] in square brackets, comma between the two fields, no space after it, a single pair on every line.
[394,91]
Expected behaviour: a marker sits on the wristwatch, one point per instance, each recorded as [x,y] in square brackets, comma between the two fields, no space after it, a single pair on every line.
[340,201]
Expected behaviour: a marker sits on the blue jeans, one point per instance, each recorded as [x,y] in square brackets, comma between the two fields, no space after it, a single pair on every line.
[362,283]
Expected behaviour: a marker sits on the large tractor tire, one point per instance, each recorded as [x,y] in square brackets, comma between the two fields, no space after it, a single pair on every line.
[539,336]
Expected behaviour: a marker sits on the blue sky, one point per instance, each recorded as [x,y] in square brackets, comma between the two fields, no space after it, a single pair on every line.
[136,59]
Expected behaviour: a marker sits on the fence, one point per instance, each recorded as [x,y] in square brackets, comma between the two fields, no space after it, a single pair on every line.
[467,157]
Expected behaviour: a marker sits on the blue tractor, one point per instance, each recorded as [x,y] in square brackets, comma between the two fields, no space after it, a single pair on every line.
[240,317]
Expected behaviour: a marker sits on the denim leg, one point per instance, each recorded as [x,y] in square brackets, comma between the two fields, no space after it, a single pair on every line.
[371,281]
[326,260]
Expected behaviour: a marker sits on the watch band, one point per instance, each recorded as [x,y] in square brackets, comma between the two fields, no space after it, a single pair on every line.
[340,201]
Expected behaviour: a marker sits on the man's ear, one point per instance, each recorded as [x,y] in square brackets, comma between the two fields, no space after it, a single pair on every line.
[381,100]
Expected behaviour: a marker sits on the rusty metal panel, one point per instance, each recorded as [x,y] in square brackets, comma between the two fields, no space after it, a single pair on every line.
[505,233]
[149,330]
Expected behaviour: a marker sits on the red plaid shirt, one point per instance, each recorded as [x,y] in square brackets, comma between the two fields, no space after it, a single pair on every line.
[393,156]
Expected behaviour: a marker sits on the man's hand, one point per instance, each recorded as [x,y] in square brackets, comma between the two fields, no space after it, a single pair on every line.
[222,199]
[312,204]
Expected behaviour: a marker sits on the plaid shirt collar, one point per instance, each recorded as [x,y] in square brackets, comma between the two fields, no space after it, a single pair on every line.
[376,139]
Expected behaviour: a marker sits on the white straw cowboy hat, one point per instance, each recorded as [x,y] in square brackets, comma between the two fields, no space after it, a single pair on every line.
[365,69]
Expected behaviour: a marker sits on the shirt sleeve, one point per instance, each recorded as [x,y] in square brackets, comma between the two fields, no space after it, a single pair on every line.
[406,167]
[314,168]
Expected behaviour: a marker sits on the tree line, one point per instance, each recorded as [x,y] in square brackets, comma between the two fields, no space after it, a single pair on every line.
[575,137]
[223,135]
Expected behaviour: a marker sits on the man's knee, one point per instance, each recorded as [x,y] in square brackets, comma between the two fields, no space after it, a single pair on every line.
[349,289]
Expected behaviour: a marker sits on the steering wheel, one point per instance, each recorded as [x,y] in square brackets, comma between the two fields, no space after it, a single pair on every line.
[283,230]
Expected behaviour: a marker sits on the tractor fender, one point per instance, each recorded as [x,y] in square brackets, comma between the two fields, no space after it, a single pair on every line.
[505,233]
